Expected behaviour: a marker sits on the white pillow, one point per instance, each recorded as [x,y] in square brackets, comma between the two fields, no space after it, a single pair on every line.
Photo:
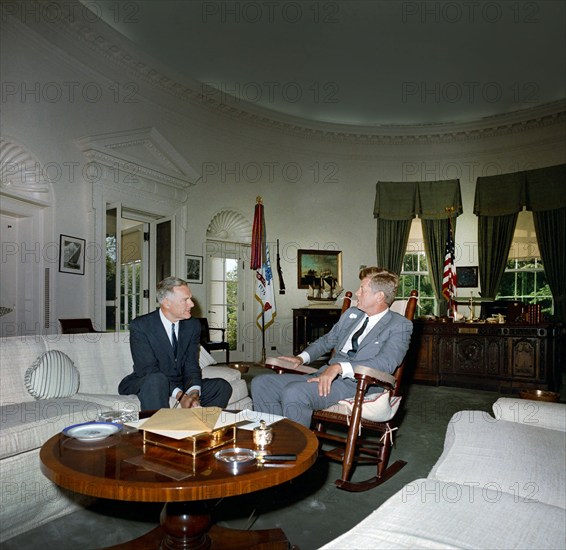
[52,375]
[377,407]
[205,359]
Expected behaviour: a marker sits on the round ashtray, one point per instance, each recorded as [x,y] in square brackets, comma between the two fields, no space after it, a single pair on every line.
[242,367]
[236,456]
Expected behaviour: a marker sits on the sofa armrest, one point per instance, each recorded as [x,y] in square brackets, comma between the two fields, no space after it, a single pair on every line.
[539,414]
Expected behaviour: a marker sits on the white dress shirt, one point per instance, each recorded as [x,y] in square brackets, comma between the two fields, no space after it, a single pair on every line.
[347,370]
[167,325]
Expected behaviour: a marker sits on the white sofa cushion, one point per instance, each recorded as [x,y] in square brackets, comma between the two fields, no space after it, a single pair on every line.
[16,356]
[103,359]
[521,460]
[205,359]
[27,426]
[539,414]
[432,514]
[52,375]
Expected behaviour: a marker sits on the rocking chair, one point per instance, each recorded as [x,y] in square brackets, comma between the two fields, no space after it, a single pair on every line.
[355,446]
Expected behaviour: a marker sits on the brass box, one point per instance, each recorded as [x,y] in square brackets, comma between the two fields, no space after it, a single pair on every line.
[195,444]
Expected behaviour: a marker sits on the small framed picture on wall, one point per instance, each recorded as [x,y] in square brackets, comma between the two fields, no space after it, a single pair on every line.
[71,255]
[467,276]
[194,269]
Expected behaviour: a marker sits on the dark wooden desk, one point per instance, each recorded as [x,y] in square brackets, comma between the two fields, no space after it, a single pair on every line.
[310,323]
[504,357]
[104,469]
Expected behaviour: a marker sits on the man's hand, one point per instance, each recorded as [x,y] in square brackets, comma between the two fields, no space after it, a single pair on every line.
[190,400]
[326,378]
[297,361]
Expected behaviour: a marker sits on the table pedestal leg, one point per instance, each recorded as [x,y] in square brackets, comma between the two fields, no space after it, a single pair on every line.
[185,526]
[188,525]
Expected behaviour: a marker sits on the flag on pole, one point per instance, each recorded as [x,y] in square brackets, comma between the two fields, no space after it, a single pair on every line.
[449,280]
[261,262]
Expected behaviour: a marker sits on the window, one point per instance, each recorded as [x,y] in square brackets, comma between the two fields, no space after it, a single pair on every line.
[524,279]
[414,274]
[130,293]
[223,298]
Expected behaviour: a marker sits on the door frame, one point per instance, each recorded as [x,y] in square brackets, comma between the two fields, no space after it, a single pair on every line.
[151,221]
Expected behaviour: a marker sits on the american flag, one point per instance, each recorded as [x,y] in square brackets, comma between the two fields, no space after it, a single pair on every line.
[449,280]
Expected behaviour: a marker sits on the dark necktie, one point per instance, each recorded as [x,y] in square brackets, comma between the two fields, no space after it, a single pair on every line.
[174,340]
[356,336]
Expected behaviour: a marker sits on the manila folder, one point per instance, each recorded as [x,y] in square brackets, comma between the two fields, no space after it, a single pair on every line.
[180,423]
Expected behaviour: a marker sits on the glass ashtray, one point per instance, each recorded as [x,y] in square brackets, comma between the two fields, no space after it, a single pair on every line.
[118,417]
[236,456]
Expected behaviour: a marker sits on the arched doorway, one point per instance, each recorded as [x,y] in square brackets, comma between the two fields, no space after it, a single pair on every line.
[230,282]
[30,252]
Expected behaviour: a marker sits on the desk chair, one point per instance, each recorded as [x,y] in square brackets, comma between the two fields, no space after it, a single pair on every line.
[213,345]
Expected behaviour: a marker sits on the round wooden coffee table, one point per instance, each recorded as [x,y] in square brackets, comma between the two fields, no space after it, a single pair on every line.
[122,467]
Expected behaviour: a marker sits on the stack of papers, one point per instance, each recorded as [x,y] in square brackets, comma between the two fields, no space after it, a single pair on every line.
[183,423]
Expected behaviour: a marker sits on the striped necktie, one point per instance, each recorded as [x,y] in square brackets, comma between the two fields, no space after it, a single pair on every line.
[356,336]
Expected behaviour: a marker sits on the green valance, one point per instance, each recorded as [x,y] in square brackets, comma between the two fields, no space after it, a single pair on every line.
[536,190]
[429,200]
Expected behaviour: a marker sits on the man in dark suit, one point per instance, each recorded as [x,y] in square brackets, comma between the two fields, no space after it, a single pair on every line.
[369,334]
[165,347]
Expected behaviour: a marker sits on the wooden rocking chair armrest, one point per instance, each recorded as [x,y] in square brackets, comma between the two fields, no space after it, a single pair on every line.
[377,377]
[281,366]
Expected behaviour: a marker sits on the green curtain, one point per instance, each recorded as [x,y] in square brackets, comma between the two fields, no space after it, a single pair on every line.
[495,234]
[500,195]
[404,200]
[498,200]
[391,243]
[434,235]
[550,227]
[541,189]
[397,203]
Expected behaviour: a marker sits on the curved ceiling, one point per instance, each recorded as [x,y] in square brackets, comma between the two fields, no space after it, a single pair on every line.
[364,63]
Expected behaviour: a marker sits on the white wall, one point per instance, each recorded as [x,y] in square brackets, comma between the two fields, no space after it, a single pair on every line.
[317,183]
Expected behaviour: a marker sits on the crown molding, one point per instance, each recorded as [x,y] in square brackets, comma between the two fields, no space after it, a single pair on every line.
[108,45]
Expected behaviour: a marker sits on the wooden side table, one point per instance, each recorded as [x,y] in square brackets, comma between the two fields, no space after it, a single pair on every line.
[121,467]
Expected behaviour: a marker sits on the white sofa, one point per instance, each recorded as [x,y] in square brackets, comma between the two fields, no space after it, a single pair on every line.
[500,483]
[78,390]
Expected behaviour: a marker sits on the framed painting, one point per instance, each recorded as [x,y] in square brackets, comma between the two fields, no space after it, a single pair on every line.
[467,277]
[194,269]
[71,255]
[319,268]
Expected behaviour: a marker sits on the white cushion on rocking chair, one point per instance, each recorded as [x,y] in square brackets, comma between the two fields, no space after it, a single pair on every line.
[377,407]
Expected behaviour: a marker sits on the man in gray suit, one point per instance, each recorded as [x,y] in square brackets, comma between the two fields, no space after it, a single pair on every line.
[369,334]
[165,347]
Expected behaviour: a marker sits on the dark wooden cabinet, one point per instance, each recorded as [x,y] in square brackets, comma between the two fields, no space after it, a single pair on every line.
[505,358]
[310,323]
